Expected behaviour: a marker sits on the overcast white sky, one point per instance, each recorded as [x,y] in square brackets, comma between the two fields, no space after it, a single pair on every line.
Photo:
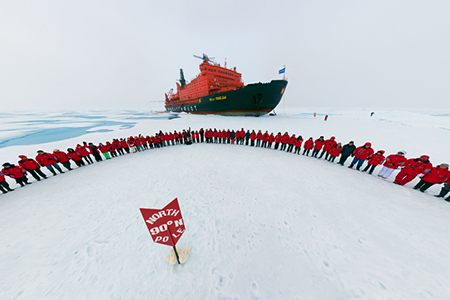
[122,54]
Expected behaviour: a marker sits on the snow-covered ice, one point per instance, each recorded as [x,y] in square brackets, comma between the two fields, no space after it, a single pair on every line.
[263,224]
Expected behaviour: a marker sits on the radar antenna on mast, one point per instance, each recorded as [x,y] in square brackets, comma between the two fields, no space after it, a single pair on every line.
[205,58]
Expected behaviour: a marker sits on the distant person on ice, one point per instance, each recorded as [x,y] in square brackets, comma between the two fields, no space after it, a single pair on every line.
[326,118]
[372,113]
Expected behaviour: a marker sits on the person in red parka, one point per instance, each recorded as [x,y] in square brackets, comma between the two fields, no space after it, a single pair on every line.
[252,138]
[309,144]
[75,157]
[62,158]
[259,137]
[375,160]
[88,152]
[284,141]
[393,161]
[83,152]
[298,144]
[207,136]
[412,168]
[334,152]
[118,146]
[124,145]
[47,160]
[4,186]
[318,144]
[16,172]
[112,150]
[437,174]
[104,149]
[197,137]
[329,144]
[32,167]
[361,154]
[291,143]
[277,140]
[215,134]
[270,140]
[265,138]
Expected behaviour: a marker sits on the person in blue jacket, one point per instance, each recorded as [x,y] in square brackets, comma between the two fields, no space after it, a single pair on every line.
[346,151]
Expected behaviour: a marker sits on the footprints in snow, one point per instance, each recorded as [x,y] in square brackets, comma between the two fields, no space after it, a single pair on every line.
[221,280]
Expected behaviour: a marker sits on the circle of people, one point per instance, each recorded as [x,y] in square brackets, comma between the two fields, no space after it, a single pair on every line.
[320,148]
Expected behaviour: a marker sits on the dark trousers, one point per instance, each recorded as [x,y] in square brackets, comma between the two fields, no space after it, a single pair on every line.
[371,167]
[35,173]
[252,143]
[4,186]
[120,150]
[445,189]
[297,150]
[290,147]
[283,147]
[79,163]
[423,185]
[331,158]
[98,157]
[22,180]
[342,159]
[88,160]
[66,165]
[276,146]
[315,152]
[306,151]
[127,150]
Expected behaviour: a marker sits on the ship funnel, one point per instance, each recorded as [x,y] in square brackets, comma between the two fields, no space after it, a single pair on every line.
[182,80]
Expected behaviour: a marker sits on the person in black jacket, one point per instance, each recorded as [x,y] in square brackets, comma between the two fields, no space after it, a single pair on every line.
[247,137]
[95,152]
[232,136]
[346,151]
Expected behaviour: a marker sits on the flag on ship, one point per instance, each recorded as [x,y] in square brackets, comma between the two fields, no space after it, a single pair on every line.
[282,70]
